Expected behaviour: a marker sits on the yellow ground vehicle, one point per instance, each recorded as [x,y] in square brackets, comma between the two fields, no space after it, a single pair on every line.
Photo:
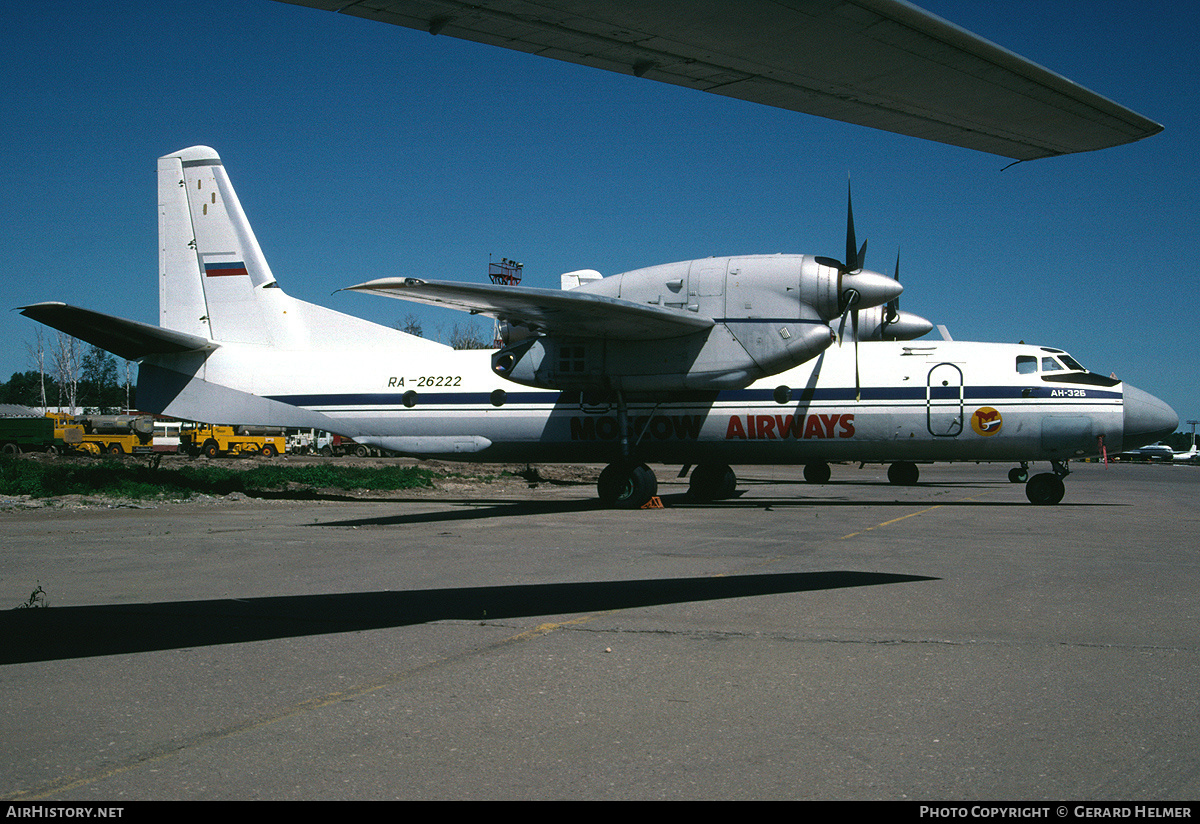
[111,434]
[213,441]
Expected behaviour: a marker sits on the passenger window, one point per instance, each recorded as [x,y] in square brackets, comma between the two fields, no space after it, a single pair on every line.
[1026,365]
[1050,365]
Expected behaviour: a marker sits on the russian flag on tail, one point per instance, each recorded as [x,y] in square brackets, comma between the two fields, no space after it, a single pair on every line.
[217,268]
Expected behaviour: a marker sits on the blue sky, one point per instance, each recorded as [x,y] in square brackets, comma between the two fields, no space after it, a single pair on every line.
[361,150]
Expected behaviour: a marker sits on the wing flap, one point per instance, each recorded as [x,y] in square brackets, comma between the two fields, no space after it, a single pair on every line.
[128,339]
[569,313]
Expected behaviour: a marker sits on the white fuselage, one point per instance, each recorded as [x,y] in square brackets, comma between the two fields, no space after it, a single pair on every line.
[919,401]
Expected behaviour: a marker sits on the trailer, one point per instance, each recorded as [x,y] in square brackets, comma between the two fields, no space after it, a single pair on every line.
[27,434]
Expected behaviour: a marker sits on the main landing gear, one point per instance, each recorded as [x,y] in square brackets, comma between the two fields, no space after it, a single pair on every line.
[817,472]
[901,473]
[627,485]
[1047,488]
[712,482]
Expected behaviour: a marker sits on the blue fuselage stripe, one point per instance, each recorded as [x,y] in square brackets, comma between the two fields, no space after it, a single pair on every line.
[970,394]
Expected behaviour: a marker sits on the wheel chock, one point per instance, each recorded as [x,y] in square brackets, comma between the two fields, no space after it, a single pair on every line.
[653,503]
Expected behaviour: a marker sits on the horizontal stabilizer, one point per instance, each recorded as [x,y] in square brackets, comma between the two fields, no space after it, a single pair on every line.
[570,314]
[126,339]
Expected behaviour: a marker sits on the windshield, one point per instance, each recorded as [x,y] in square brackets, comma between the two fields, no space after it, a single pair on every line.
[1071,362]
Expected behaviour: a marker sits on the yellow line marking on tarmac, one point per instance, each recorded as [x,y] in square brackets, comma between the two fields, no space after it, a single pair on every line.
[173,749]
[911,515]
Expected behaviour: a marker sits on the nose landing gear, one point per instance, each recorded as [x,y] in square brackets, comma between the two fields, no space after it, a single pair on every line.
[1047,488]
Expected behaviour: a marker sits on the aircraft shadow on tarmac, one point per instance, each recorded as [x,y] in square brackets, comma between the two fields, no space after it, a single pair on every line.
[56,633]
[470,509]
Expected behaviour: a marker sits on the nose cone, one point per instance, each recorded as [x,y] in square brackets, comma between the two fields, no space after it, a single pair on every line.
[907,327]
[873,288]
[1147,419]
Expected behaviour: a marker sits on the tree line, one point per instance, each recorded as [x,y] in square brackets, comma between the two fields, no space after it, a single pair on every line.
[72,376]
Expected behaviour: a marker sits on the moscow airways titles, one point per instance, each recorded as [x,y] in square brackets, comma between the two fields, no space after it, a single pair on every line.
[739,427]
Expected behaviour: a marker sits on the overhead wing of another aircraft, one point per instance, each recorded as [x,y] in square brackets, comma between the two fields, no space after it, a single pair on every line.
[546,309]
[879,63]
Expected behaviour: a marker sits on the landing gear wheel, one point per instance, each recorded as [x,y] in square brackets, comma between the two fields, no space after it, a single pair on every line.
[817,473]
[712,482]
[1045,489]
[903,473]
[627,485]
[1018,475]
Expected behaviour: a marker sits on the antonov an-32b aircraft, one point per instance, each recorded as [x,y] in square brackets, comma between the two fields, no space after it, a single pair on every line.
[705,363]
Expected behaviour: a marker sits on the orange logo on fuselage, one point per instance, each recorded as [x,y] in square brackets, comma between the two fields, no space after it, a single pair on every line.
[986,421]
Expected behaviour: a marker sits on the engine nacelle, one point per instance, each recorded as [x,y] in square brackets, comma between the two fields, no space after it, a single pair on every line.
[770,313]
[902,326]
[712,360]
[751,287]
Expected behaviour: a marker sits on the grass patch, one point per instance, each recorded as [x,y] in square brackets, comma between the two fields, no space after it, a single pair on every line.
[137,481]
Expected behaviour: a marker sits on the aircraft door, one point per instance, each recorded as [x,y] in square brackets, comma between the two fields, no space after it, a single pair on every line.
[944,401]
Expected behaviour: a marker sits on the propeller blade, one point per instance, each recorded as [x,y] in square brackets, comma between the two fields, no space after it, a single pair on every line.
[848,299]
[892,312]
[854,327]
[851,245]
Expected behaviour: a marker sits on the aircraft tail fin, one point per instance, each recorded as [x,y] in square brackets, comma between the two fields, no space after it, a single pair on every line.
[210,263]
[214,281]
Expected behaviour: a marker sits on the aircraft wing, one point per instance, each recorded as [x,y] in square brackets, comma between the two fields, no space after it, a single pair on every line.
[126,339]
[571,313]
[879,63]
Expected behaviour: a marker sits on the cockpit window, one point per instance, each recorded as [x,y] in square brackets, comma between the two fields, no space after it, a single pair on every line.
[1051,365]
[1071,362]
[1026,365]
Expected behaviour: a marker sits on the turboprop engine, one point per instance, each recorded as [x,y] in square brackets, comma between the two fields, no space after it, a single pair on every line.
[768,314]
[711,324]
[888,322]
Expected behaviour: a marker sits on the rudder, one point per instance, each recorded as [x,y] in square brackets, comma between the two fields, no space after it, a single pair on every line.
[211,269]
